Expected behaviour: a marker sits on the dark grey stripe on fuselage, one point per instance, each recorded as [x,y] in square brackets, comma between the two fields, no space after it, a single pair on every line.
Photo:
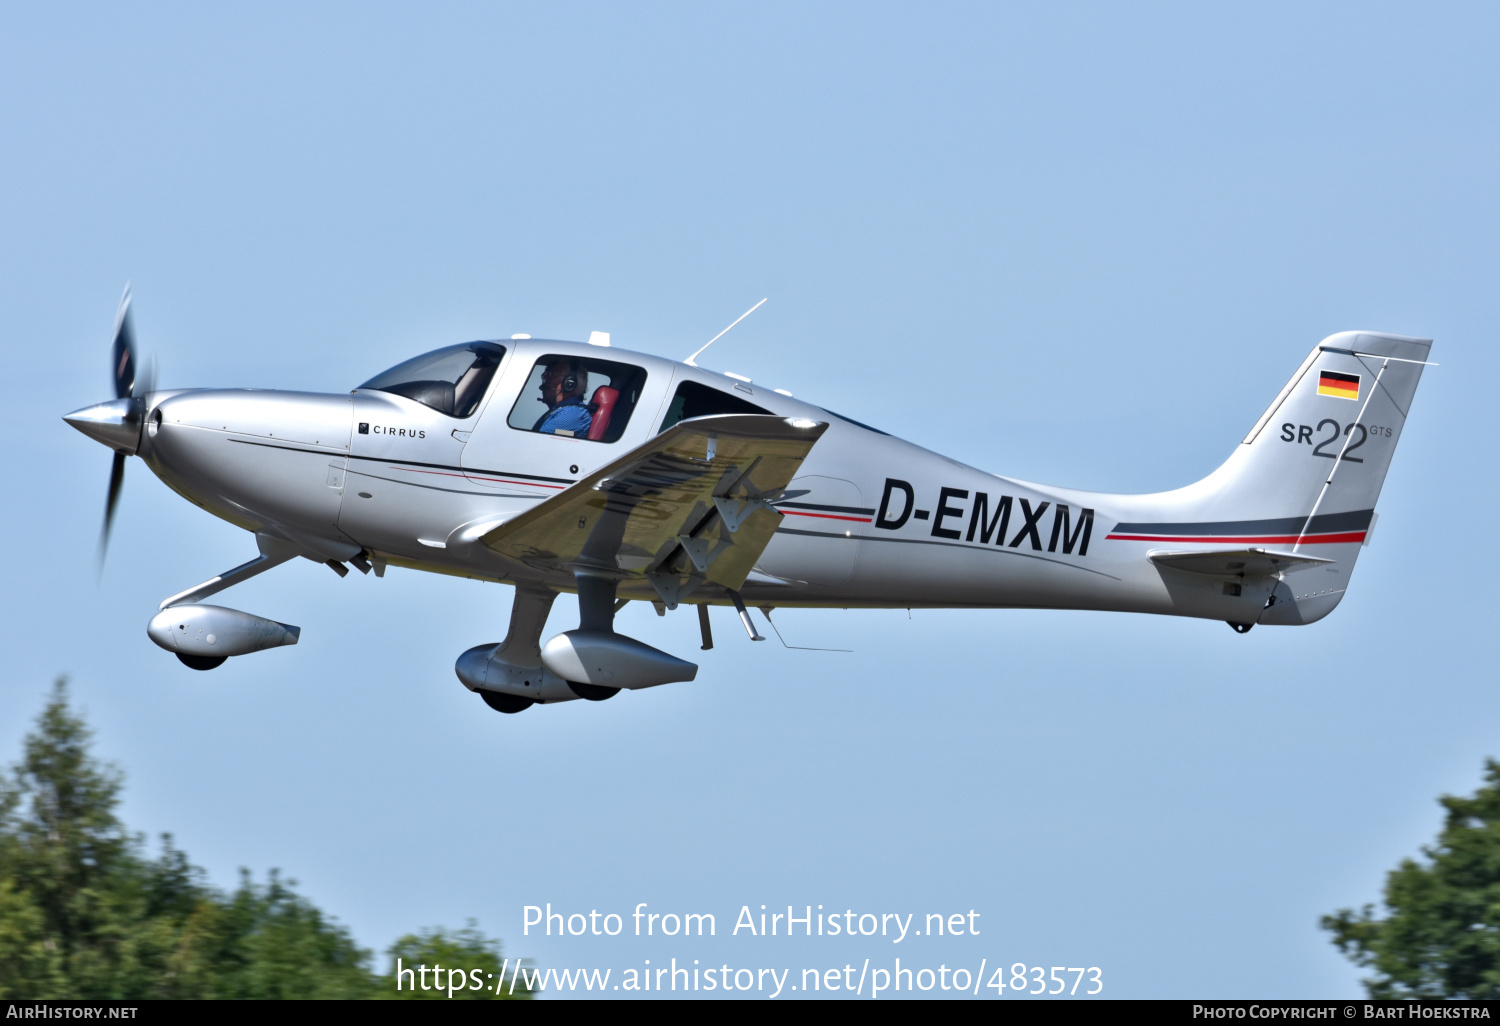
[1324,523]
[406,463]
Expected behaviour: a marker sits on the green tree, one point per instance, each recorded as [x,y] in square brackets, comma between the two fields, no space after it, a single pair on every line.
[451,958]
[1440,937]
[85,914]
[270,942]
[64,855]
[29,962]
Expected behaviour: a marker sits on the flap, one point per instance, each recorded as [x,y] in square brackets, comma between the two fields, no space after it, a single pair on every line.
[1251,562]
[688,507]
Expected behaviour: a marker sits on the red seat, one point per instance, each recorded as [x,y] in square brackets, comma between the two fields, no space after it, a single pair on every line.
[602,406]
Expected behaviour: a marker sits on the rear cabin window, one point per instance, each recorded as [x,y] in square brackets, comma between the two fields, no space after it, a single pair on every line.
[695,400]
[578,397]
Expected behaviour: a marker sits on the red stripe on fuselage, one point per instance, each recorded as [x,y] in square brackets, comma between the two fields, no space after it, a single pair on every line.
[504,480]
[476,477]
[825,516]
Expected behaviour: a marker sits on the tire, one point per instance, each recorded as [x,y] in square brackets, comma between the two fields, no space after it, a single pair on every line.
[592,692]
[201,662]
[505,703]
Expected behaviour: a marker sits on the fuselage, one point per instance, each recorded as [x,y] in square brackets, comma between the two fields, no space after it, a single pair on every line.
[869,521]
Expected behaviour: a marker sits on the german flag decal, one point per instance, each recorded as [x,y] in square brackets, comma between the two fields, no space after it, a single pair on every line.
[1345,386]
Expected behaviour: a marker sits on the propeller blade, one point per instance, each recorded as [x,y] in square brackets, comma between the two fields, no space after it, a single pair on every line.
[122,353]
[147,383]
[124,365]
[116,481]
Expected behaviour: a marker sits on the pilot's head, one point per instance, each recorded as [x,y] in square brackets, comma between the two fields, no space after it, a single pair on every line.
[562,380]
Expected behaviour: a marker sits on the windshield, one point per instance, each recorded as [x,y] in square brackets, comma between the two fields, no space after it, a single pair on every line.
[451,380]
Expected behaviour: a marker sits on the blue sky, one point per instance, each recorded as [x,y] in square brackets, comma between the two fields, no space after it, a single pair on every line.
[1078,244]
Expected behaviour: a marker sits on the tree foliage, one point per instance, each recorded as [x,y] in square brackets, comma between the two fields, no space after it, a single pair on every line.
[85,913]
[452,956]
[1440,937]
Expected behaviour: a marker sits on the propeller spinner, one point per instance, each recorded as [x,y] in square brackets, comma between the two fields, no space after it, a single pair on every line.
[117,424]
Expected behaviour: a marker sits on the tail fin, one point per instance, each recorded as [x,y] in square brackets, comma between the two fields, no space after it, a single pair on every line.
[1307,476]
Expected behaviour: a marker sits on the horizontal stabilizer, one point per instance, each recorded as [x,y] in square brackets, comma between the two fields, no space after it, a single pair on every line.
[1250,562]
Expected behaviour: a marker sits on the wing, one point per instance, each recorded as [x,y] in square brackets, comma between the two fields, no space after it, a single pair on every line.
[1252,562]
[689,507]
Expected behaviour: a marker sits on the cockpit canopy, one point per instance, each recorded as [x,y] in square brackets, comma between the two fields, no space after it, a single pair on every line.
[451,380]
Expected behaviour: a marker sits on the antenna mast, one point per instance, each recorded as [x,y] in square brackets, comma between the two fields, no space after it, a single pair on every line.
[690,360]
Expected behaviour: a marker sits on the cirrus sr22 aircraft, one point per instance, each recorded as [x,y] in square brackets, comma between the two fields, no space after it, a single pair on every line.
[618,476]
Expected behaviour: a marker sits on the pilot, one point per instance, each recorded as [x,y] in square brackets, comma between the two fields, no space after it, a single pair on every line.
[564,384]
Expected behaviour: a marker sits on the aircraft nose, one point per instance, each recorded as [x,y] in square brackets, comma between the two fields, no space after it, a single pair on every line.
[115,424]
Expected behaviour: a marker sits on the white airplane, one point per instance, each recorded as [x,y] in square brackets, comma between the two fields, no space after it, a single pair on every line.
[565,466]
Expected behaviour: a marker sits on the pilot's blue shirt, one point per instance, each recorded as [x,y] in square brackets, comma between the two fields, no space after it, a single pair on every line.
[571,415]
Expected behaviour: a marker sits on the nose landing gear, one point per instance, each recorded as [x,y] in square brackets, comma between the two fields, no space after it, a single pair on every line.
[195,662]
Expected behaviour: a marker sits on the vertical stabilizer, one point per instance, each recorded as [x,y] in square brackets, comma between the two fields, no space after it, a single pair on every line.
[1306,478]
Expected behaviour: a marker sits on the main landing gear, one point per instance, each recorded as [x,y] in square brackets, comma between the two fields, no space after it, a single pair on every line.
[505,703]
[592,662]
[509,677]
[592,692]
[501,702]
[520,656]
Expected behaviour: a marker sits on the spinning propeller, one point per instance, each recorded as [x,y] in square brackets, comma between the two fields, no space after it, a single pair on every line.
[118,424]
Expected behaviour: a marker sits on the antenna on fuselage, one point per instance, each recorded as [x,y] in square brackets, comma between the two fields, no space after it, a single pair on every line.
[741,317]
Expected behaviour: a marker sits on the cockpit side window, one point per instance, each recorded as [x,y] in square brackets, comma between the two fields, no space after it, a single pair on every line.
[696,400]
[578,397]
[452,380]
